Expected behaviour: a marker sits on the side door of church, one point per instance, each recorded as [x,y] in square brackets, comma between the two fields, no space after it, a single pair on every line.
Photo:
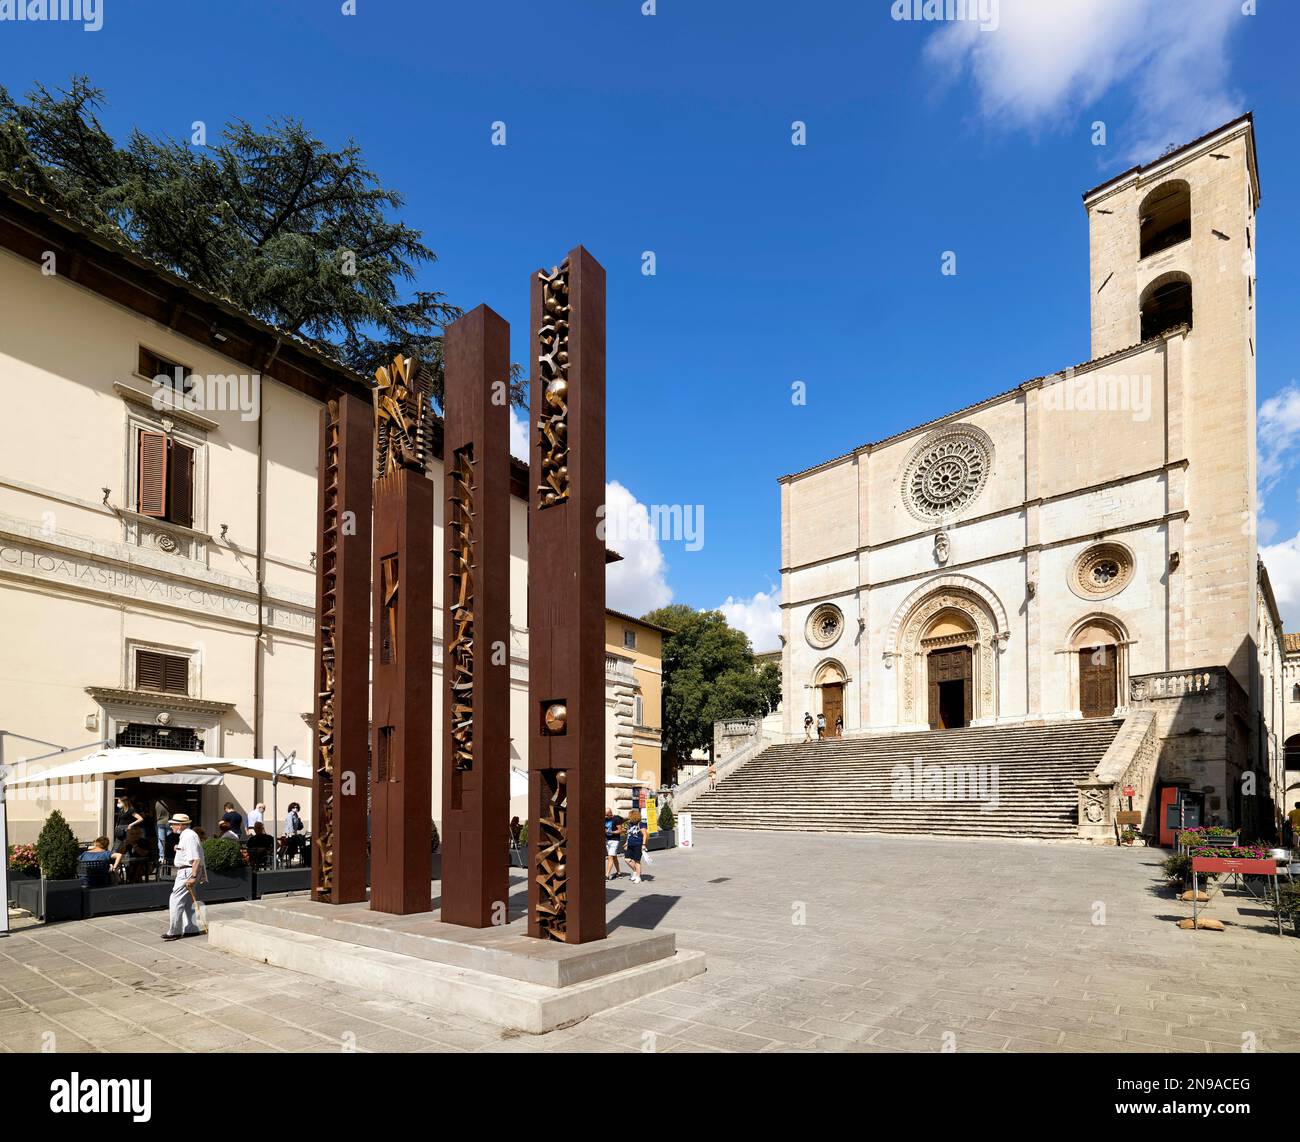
[1097,682]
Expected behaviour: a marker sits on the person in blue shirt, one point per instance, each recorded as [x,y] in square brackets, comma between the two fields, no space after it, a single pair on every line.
[613,826]
[94,864]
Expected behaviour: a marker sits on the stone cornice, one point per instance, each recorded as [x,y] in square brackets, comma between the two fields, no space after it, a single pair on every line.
[154,699]
[168,407]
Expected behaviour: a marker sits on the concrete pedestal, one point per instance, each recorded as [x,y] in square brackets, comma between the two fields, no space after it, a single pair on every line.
[498,974]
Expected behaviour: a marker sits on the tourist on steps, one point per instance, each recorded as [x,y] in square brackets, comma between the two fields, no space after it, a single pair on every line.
[839,727]
[807,727]
[713,776]
[821,726]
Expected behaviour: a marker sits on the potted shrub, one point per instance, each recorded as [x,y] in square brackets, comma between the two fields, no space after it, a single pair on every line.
[1178,870]
[1127,837]
[57,852]
[228,876]
[1220,836]
[666,837]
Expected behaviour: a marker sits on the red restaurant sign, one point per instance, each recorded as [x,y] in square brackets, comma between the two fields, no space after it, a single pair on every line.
[1266,867]
[1129,791]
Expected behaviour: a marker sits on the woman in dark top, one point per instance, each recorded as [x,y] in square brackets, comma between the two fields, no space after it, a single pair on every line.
[633,843]
[127,815]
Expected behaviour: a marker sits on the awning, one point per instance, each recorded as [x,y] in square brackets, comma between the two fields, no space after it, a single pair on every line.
[111,764]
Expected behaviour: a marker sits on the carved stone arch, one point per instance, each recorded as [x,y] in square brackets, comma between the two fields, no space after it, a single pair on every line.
[958,582]
[829,670]
[960,594]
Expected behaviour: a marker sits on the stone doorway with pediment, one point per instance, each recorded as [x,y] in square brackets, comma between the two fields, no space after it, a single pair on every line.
[945,646]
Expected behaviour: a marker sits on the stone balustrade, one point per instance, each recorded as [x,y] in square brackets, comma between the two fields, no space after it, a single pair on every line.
[1131,760]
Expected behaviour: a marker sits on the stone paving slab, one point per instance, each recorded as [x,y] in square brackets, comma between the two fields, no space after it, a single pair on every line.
[814,943]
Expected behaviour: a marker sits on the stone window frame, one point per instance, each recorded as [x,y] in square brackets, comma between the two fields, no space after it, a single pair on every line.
[190,543]
[191,654]
[922,450]
[822,610]
[1095,553]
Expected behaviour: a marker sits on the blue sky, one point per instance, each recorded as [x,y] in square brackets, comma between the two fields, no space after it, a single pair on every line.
[774,263]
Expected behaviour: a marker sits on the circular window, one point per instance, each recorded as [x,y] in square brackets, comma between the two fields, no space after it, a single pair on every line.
[1102,571]
[946,472]
[825,625]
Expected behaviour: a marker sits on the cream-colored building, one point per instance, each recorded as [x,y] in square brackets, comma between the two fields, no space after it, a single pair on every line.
[634,658]
[1082,542]
[157,563]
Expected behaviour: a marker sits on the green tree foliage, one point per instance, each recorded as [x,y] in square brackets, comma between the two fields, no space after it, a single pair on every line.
[57,849]
[289,229]
[709,676]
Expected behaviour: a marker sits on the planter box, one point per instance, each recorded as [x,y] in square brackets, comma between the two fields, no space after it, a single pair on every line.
[26,893]
[1221,842]
[1266,867]
[62,900]
[223,886]
[663,839]
[272,880]
[16,878]
[117,898]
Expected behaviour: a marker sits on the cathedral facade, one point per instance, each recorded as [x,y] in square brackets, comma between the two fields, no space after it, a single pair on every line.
[1082,544]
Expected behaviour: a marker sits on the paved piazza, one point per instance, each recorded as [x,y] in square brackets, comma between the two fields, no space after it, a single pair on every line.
[905,945]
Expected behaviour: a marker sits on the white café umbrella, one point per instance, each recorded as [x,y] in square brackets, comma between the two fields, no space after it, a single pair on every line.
[110,764]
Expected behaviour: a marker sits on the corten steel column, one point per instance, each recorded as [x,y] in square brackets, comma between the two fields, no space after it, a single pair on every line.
[476,621]
[402,659]
[566,604]
[338,865]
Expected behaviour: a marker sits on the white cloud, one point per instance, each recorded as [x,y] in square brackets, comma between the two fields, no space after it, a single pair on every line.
[1278,432]
[759,616]
[1283,563]
[1046,62]
[637,583]
[519,435]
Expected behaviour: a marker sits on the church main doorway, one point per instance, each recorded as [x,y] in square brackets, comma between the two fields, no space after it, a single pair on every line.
[951,676]
[832,705]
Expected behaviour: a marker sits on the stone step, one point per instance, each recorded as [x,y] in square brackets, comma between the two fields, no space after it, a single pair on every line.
[846,784]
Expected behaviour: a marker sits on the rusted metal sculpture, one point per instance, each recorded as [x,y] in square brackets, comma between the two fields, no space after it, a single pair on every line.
[402,661]
[476,621]
[342,653]
[566,603]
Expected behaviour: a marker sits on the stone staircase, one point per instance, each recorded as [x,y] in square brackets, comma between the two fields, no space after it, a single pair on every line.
[847,785]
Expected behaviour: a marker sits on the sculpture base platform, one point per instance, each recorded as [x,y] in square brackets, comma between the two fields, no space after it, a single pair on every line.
[499,975]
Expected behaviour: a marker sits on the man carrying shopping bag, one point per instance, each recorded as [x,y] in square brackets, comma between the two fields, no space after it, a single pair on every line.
[190,871]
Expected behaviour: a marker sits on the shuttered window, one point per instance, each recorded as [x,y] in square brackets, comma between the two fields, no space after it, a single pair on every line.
[166,479]
[166,673]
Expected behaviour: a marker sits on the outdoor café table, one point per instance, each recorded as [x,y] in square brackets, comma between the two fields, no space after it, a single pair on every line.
[1266,866]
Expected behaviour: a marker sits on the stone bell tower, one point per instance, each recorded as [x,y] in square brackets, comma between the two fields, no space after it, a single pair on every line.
[1172,248]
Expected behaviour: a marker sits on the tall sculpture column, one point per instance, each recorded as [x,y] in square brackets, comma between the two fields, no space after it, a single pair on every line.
[402,660]
[338,866]
[476,621]
[566,603]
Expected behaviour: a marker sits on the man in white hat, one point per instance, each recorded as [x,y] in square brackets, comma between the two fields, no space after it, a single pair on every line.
[189,872]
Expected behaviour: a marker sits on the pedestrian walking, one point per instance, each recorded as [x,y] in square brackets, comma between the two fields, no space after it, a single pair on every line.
[839,727]
[613,825]
[190,871]
[634,834]
[807,727]
[713,776]
[821,726]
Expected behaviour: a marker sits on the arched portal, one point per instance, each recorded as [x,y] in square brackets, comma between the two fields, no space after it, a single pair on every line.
[829,680]
[1098,647]
[1165,304]
[944,642]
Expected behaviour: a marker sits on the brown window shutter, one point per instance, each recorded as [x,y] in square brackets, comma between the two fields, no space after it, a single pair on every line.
[152,500]
[176,674]
[180,491]
[148,670]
